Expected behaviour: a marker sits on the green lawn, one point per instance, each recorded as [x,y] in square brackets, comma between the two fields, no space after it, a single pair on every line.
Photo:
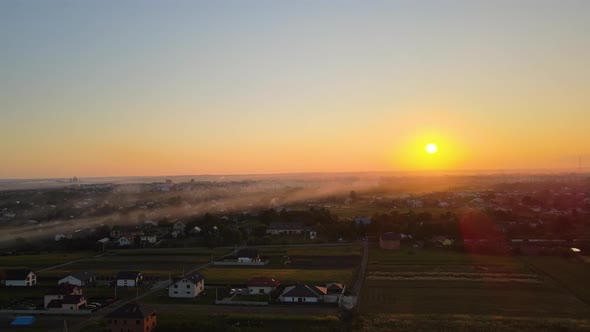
[41,261]
[437,281]
[222,275]
[570,274]
[464,323]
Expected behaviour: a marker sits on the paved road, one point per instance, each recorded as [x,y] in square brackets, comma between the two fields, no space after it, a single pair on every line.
[358,285]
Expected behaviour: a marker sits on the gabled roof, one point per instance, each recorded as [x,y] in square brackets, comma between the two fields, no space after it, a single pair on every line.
[335,286]
[72,299]
[128,275]
[390,236]
[263,282]
[63,288]
[248,252]
[17,274]
[301,290]
[194,277]
[131,310]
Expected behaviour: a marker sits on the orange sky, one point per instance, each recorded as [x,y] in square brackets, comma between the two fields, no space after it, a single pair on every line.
[225,88]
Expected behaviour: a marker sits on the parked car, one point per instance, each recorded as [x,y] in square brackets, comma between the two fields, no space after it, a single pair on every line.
[232,291]
[239,292]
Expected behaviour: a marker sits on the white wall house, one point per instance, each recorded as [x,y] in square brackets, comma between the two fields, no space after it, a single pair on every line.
[20,278]
[78,278]
[303,294]
[188,287]
[129,278]
[124,241]
[262,285]
[248,255]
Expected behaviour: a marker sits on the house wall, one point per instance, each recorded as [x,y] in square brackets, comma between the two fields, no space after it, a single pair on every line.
[259,290]
[30,281]
[133,324]
[299,299]
[126,282]
[186,289]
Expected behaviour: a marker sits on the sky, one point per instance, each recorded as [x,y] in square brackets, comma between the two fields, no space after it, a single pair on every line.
[140,87]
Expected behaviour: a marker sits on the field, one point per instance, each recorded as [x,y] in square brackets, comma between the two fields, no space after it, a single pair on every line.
[464,323]
[441,282]
[310,264]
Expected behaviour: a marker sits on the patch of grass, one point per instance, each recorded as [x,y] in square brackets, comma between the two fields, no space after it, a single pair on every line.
[428,323]
[222,275]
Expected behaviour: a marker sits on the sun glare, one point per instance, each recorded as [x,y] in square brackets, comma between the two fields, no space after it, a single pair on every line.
[431,148]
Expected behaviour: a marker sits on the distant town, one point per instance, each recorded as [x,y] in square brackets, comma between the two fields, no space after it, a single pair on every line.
[193,255]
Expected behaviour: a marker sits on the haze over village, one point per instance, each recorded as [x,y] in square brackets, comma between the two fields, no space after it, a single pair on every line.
[294,166]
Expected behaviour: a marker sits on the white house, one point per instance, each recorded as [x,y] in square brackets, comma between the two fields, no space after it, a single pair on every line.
[60,293]
[124,241]
[151,239]
[303,294]
[20,278]
[78,278]
[248,255]
[68,302]
[262,285]
[129,278]
[291,228]
[179,227]
[188,287]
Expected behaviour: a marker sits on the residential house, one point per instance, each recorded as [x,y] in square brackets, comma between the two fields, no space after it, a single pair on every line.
[132,317]
[390,241]
[188,287]
[129,278]
[179,227]
[20,278]
[262,285]
[291,228]
[149,239]
[124,241]
[301,293]
[78,278]
[333,292]
[248,255]
[58,294]
[68,302]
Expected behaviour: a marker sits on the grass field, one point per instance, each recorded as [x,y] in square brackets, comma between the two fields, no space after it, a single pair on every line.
[41,261]
[309,264]
[221,275]
[447,282]
[460,323]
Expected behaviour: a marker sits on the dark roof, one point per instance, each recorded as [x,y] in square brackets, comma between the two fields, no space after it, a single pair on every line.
[83,275]
[390,236]
[131,310]
[54,304]
[64,288]
[194,277]
[72,299]
[17,274]
[335,286]
[248,252]
[263,282]
[128,275]
[301,290]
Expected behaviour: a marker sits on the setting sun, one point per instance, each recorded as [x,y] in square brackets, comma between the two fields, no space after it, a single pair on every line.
[431,148]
